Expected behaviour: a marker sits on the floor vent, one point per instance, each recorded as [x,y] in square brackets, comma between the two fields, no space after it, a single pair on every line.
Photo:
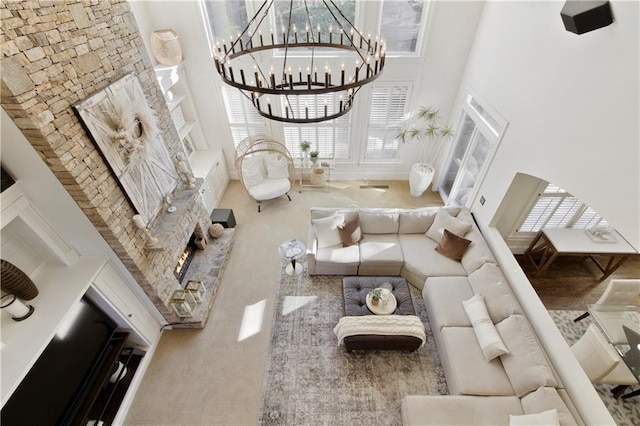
[374,186]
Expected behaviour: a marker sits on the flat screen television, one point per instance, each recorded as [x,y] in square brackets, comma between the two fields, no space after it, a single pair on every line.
[53,389]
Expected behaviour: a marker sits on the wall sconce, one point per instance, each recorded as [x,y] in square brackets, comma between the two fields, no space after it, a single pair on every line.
[197,289]
[19,311]
[183,303]
[139,222]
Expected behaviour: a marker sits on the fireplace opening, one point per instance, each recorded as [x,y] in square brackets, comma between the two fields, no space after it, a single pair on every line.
[185,259]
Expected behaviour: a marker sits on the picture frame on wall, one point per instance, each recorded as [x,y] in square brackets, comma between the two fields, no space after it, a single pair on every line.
[124,129]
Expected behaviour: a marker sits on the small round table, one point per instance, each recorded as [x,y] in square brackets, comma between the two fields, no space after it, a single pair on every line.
[292,251]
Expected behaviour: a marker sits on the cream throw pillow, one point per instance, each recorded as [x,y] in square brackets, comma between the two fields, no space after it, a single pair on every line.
[545,418]
[486,333]
[277,167]
[252,171]
[445,220]
[327,230]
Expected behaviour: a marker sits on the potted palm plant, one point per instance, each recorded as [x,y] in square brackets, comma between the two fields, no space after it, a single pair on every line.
[425,130]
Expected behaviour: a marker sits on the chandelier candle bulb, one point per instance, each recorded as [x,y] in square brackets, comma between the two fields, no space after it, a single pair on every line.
[242,77]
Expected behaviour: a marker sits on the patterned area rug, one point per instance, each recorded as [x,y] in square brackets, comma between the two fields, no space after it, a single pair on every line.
[625,412]
[310,380]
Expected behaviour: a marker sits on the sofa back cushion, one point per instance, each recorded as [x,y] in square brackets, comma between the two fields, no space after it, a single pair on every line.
[416,221]
[381,221]
[546,398]
[525,364]
[492,284]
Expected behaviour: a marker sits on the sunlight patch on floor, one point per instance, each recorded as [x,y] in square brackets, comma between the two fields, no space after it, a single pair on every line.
[252,320]
[292,303]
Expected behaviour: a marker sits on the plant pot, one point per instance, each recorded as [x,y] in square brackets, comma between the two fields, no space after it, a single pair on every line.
[318,177]
[420,177]
[314,161]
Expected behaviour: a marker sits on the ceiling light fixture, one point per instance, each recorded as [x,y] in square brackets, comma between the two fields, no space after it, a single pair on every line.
[287,86]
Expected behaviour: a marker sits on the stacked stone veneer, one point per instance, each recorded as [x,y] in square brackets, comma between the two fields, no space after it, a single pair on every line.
[54,54]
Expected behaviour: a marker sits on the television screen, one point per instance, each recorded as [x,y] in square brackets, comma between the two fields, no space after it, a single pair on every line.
[51,388]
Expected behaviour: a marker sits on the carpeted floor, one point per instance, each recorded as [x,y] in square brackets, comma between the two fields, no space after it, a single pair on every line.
[625,412]
[309,380]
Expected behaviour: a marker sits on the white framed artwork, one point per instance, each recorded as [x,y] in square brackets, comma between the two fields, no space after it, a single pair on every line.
[124,128]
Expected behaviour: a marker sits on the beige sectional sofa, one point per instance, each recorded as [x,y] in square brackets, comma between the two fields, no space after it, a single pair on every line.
[403,242]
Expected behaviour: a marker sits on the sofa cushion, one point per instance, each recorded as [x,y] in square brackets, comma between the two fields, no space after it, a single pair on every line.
[525,364]
[544,418]
[327,230]
[338,255]
[546,398]
[492,284]
[444,220]
[379,221]
[452,246]
[465,368]
[270,188]
[416,221]
[488,338]
[350,232]
[382,249]
[422,260]
[441,410]
[443,298]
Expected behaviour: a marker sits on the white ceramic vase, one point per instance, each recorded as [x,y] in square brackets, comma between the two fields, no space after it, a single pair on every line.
[420,178]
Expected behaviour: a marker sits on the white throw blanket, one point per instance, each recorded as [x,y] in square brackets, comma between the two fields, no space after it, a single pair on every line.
[387,325]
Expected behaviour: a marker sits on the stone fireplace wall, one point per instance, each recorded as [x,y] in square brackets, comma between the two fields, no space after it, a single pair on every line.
[55,53]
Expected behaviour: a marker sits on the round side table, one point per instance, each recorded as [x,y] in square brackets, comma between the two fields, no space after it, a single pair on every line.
[292,251]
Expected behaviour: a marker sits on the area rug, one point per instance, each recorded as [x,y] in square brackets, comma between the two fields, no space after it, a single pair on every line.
[625,412]
[310,380]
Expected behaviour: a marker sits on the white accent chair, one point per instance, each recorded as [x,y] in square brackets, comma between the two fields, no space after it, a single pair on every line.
[601,362]
[265,168]
[618,292]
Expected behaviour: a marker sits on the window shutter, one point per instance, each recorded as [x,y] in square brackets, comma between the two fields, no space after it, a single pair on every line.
[388,109]
[242,117]
[556,208]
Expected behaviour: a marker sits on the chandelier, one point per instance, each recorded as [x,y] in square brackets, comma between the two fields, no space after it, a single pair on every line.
[278,71]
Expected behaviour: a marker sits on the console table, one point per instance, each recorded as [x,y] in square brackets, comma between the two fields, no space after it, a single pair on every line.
[553,242]
[304,167]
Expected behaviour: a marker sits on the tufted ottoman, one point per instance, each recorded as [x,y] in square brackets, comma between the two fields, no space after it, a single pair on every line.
[355,290]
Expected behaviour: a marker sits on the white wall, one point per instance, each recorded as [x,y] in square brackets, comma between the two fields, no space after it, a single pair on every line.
[437,70]
[572,102]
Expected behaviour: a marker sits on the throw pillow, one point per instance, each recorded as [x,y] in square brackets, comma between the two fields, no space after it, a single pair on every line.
[486,333]
[252,171]
[445,220]
[452,246]
[277,167]
[350,232]
[545,418]
[327,230]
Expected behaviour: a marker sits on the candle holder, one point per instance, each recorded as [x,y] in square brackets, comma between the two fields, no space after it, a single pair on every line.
[197,289]
[183,303]
[19,311]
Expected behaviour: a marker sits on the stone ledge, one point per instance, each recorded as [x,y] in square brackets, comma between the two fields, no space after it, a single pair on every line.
[207,266]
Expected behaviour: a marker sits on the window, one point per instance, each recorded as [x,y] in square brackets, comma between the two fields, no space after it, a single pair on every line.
[556,208]
[331,138]
[401,24]
[226,18]
[243,119]
[388,110]
[319,17]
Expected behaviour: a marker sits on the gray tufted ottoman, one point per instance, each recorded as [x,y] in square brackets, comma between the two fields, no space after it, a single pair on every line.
[355,290]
